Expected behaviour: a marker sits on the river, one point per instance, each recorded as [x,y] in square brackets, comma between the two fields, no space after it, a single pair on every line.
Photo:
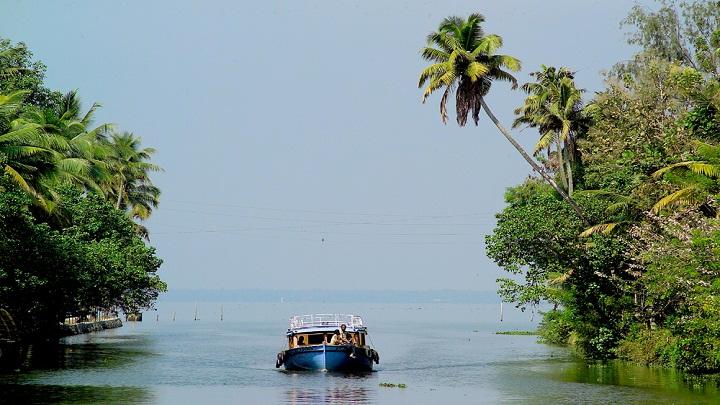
[444,353]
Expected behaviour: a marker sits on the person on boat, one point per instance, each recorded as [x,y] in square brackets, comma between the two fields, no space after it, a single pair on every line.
[337,338]
[346,336]
[347,339]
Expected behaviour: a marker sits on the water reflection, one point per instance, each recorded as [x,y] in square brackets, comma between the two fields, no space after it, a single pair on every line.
[55,394]
[65,356]
[330,395]
[27,369]
[339,388]
[629,375]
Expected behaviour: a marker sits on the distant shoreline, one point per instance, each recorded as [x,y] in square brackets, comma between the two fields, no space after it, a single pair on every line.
[321,295]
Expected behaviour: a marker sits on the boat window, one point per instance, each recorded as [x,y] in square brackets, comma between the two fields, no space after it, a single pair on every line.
[316,338]
[301,340]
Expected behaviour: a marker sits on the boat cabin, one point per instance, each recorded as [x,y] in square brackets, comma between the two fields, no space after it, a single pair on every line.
[311,330]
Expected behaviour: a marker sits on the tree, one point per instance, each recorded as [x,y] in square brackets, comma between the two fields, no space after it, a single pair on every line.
[687,32]
[129,185]
[19,72]
[48,271]
[465,61]
[80,152]
[26,152]
[554,107]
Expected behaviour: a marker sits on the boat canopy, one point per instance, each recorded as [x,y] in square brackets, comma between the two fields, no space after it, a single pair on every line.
[325,322]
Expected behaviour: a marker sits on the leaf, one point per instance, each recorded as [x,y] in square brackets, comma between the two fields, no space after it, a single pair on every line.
[681,196]
[605,229]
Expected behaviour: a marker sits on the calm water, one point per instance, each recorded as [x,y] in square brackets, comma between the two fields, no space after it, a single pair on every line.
[445,353]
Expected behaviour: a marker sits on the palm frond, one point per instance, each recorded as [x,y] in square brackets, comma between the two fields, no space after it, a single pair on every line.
[545,140]
[605,229]
[476,70]
[682,196]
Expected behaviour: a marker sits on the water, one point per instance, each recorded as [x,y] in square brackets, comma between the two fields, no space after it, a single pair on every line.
[444,353]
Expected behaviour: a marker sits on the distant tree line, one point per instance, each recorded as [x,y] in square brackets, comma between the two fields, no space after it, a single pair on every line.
[73,196]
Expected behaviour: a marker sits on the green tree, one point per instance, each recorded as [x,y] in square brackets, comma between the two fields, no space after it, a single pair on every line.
[679,31]
[465,61]
[18,71]
[80,150]
[48,271]
[26,153]
[554,107]
[129,185]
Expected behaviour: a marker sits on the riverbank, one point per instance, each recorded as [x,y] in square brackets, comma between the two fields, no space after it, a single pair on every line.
[88,327]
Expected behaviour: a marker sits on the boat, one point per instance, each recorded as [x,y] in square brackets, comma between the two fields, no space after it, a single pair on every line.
[309,345]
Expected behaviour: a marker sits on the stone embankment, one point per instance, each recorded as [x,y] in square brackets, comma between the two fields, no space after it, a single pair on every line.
[87,327]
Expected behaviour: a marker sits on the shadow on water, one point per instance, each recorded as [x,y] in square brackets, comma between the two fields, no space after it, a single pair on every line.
[55,394]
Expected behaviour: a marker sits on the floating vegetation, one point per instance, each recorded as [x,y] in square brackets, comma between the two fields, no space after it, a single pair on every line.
[391,385]
[517,332]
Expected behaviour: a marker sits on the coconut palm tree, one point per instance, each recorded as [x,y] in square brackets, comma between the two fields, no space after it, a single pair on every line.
[26,153]
[79,152]
[129,186]
[464,61]
[554,107]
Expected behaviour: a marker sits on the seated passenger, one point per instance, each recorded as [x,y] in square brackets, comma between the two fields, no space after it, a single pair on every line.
[337,338]
[301,341]
[346,336]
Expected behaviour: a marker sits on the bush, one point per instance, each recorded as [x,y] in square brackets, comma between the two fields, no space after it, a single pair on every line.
[555,328]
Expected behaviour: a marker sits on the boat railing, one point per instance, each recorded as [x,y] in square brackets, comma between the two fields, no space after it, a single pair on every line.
[306,321]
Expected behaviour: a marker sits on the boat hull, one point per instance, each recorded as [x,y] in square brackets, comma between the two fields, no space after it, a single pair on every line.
[328,358]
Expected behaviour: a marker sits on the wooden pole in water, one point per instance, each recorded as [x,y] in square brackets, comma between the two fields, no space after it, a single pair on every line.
[501,311]
[196,318]
[173,316]
[221,312]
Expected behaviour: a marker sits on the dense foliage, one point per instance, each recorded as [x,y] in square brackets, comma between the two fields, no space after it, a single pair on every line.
[641,160]
[69,192]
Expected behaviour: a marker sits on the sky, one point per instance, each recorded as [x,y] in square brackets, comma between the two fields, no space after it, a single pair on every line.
[296,151]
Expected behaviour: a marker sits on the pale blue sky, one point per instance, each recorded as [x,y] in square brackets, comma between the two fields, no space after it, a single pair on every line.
[282,124]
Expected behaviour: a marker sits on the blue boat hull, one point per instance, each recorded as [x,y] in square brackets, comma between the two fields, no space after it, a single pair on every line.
[329,358]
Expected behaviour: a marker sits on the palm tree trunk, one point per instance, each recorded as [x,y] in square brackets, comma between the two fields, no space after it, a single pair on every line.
[569,160]
[561,163]
[534,164]
[569,176]
[119,199]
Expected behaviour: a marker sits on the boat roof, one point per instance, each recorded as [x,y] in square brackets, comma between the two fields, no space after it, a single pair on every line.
[325,323]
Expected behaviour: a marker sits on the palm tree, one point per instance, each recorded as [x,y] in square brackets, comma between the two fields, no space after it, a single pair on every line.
[554,106]
[464,60]
[129,186]
[697,179]
[26,153]
[79,152]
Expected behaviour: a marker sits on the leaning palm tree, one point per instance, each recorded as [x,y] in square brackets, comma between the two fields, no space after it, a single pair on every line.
[129,186]
[464,61]
[554,107]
